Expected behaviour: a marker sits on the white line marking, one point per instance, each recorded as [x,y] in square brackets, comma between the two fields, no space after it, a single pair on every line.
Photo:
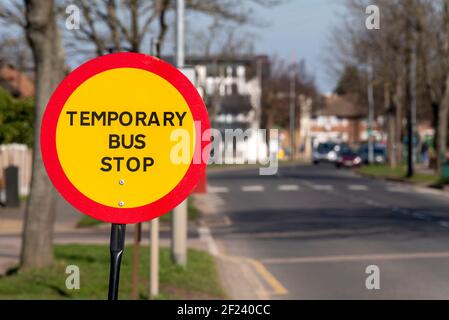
[212,189]
[356,258]
[427,191]
[397,189]
[358,187]
[322,187]
[252,188]
[288,187]
[205,235]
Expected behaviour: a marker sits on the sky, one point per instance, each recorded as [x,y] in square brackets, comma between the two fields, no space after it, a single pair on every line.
[300,29]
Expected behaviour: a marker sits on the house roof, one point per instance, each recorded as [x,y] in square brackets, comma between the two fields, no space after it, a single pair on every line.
[342,107]
[16,82]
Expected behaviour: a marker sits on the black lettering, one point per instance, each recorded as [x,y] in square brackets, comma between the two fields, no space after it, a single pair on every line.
[106,165]
[140,142]
[153,119]
[130,118]
[131,141]
[112,116]
[118,160]
[71,114]
[180,117]
[168,117]
[128,164]
[140,117]
[114,141]
[84,118]
[147,162]
[100,117]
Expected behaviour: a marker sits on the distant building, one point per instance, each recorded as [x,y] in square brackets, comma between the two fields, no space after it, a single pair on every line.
[342,120]
[231,89]
[17,83]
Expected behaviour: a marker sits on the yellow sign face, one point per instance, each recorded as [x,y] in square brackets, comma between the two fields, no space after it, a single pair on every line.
[114,137]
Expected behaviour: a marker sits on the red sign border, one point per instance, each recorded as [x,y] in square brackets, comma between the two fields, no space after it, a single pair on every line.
[48,138]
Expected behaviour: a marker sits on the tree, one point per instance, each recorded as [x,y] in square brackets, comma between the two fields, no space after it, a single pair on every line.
[43,36]
[407,24]
[124,25]
[16,119]
[275,98]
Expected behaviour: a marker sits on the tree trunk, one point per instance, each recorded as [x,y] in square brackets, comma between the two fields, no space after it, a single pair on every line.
[442,129]
[443,111]
[391,127]
[398,103]
[43,36]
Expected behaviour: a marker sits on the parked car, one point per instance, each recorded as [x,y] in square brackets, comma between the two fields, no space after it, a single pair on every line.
[379,154]
[348,158]
[325,152]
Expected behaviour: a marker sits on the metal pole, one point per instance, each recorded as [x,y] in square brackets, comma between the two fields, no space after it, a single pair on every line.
[292,115]
[136,252]
[258,110]
[179,219]
[153,288]
[117,246]
[179,234]
[154,259]
[180,8]
[370,113]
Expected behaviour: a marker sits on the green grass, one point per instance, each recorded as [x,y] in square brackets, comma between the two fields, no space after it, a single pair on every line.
[384,171]
[193,214]
[87,222]
[199,280]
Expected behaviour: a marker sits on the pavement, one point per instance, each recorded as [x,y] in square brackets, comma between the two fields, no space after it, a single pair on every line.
[311,232]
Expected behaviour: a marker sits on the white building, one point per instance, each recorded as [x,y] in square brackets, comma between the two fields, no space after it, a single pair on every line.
[231,89]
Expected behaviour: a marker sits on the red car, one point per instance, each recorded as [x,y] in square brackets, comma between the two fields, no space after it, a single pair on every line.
[348,158]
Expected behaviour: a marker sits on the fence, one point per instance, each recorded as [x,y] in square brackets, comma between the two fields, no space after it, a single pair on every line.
[17,155]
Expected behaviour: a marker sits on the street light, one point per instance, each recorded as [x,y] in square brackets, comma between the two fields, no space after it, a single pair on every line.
[370,113]
[292,113]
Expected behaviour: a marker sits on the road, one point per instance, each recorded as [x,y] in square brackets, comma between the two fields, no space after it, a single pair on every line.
[311,232]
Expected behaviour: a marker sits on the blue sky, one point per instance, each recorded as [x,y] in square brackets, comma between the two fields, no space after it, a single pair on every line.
[300,29]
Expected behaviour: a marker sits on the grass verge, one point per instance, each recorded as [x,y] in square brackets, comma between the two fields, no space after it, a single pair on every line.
[399,173]
[199,280]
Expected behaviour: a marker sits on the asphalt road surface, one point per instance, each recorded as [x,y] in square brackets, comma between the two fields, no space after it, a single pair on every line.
[313,231]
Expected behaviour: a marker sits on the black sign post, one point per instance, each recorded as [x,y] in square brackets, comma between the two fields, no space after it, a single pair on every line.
[117,246]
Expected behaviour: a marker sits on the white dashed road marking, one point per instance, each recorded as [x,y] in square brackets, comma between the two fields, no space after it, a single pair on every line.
[212,189]
[256,188]
[288,187]
[397,189]
[206,236]
[358,187]
[322,187]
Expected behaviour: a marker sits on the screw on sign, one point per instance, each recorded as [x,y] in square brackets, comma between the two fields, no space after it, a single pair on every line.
[124,139]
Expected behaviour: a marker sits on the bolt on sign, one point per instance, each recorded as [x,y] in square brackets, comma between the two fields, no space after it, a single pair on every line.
[113,133]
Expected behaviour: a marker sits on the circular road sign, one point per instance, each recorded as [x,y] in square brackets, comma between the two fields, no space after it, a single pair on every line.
[123,138]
